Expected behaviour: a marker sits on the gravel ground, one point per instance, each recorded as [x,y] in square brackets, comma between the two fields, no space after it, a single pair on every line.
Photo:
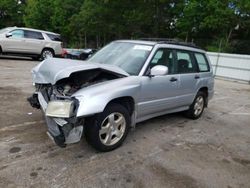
[168,151]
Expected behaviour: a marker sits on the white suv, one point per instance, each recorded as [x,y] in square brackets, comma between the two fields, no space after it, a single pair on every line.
[30,42]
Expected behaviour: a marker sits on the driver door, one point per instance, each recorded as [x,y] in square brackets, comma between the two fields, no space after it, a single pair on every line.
[158,93]
[16,42]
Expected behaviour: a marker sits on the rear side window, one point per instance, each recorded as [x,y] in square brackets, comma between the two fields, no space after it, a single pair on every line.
[185,63]
[33,35]
[54,37]
[202,62]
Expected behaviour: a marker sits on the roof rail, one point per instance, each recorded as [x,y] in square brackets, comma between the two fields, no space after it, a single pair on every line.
[159,39]
[171,41]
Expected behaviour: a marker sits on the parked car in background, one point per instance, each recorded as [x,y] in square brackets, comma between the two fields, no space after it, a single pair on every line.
[30,42]
[126,82]
[81,54]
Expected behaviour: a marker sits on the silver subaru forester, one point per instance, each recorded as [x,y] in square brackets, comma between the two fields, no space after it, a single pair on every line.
[126,82]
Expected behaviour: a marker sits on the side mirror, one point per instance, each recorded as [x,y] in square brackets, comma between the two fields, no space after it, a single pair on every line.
[159,70]
[8,35]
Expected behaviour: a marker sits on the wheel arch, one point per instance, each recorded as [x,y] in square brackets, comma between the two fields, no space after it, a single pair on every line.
[127,101]
[48,48]
[205,91]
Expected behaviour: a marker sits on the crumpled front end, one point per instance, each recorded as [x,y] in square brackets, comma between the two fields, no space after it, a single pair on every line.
[56,82]
[60,115]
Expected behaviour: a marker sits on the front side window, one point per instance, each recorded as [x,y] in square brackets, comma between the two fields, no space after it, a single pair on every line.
[164,57]
[202,62]
[128,56]
[18,33]
[185,63]
[34,35]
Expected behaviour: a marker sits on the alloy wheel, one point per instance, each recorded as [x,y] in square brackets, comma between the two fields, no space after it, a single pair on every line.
[198,106]
[112,129]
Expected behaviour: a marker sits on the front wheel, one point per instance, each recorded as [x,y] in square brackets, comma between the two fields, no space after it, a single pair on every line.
[106,131]
[197,107]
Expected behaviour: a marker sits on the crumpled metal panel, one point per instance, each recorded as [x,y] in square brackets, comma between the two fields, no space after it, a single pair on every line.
[51,70]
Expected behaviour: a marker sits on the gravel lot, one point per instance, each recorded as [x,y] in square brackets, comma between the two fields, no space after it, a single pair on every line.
[168,151]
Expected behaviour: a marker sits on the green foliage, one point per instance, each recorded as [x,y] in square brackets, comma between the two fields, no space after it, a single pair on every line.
[11,12]
[216,25]
[38,14]
[215,20]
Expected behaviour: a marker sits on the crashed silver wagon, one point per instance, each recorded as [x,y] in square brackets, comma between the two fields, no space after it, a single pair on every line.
[126,82]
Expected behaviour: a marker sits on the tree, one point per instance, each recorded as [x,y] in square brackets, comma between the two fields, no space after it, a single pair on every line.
[213,23]
[38,14]
[63,11]
[11,13]
[216,25]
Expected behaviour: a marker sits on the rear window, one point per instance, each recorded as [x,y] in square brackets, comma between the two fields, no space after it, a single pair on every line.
[33,35]
[202,62]
[54,37]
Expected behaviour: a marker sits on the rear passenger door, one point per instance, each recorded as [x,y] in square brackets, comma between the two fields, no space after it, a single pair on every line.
[189,77]
[33,42]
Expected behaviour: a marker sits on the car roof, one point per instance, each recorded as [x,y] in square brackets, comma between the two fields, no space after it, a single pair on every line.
[169,42]
[138,42]
[31,29]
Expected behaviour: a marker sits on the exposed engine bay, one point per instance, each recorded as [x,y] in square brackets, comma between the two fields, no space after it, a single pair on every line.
[77,81]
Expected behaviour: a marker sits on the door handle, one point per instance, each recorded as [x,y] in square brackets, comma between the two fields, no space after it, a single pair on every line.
[173,79]
[196,77]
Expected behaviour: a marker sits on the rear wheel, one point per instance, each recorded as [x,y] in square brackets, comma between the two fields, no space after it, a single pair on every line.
[106,131]
[47,53]
[196,109]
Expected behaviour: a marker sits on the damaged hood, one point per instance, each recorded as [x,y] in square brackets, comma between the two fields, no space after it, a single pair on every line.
[51,70]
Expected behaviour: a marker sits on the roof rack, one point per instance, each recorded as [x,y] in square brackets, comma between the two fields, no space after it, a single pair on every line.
[171,41]
[159,39]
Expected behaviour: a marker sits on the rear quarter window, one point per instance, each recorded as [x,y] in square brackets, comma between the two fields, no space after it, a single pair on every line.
[54,37]
[202,62]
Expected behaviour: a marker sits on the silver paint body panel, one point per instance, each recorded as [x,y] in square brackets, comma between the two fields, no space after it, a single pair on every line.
[153,96]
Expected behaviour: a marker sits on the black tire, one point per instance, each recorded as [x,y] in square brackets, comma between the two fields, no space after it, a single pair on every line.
[36,58]
[47,53]
[192,113]
[94,124]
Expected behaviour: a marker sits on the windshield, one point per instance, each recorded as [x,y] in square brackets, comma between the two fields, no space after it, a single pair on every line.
[128,56]
[4,30]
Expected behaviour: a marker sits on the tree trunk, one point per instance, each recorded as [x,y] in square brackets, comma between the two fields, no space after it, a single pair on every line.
[186,39]
[229,36]
[85,40]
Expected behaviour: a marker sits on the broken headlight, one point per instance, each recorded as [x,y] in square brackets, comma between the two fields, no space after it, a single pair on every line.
[63,109]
